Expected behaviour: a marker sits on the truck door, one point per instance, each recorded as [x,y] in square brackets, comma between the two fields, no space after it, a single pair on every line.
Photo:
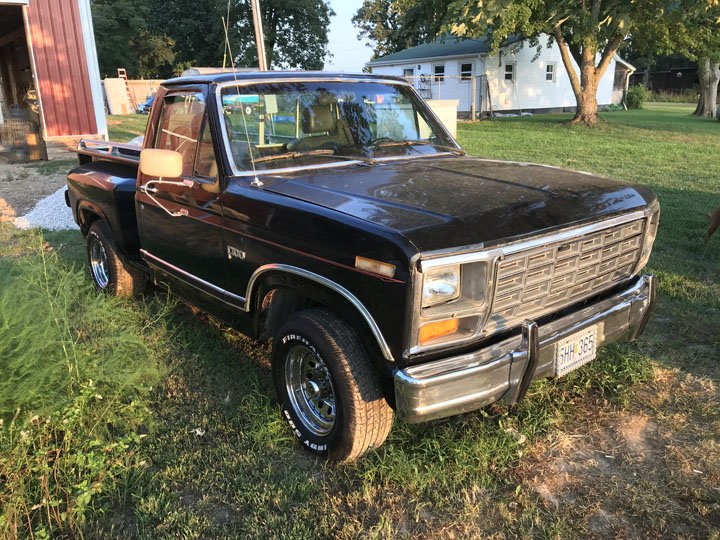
[180,225]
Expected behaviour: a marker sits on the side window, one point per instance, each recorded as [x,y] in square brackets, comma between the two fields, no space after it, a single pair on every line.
[181,120]
[205,164]
[510,71]
[550,72]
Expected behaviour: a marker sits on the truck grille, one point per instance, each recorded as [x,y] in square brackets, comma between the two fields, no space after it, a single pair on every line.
[537,281]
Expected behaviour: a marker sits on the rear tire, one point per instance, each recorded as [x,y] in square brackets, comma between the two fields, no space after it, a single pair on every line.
[327,388]
[107,270]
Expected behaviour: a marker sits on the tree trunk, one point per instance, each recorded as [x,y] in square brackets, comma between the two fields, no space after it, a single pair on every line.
[587,105]
[585,87]
[709,75]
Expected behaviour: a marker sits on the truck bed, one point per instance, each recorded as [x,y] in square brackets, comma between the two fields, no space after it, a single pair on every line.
[108,151]
[103,187]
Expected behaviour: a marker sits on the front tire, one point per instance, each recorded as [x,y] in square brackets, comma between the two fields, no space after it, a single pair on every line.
[107,270]
[327,388]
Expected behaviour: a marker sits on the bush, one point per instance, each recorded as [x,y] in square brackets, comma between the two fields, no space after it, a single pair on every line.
[682,96]
[637,96]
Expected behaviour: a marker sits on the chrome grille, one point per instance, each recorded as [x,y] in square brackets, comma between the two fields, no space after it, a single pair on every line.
[543,279]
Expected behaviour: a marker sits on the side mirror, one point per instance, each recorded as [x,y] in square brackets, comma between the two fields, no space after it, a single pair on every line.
[161,163]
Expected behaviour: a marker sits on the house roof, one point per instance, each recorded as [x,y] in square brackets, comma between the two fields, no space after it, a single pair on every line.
[625,63]
[443,46]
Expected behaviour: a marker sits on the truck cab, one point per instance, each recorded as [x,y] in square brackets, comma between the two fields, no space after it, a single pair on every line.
[396,276]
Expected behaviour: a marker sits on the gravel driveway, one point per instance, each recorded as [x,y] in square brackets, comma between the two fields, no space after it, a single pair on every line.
[32,195]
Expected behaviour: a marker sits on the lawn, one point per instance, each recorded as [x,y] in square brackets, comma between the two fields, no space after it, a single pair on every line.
[185,440]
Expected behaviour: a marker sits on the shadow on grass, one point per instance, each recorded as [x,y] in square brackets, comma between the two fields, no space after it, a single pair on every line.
[222,459]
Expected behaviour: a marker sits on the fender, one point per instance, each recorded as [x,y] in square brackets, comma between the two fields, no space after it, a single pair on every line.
[84,204]
[263,273]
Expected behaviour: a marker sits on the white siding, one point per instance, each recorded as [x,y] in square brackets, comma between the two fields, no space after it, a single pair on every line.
[451,87]
[530,90]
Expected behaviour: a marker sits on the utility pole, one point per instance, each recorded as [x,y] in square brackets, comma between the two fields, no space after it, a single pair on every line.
[259,37]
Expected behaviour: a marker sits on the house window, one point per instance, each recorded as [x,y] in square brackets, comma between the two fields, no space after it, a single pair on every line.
[408,73]
[510,72]
[550,70]
[439,73]
[466,72]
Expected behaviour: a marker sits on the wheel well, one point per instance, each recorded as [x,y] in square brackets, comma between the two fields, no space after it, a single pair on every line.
[277,303]
[87,217]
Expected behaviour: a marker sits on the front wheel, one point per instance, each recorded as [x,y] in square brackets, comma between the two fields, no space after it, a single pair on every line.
[328,390]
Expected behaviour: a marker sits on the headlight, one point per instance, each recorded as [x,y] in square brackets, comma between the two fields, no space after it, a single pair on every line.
[441,285]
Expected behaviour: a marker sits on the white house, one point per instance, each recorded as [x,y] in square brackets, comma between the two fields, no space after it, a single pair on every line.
[516,79]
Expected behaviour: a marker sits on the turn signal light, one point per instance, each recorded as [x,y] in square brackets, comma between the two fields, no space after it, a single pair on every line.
[376,267]
[437,329]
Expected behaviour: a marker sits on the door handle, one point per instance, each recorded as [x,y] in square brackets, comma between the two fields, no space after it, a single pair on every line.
[148,190]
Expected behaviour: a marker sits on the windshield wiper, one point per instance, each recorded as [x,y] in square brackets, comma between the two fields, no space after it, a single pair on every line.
[293,155]
[421,142]
[315,153]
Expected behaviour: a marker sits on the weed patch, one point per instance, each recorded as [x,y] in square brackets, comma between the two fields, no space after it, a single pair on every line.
[78,369]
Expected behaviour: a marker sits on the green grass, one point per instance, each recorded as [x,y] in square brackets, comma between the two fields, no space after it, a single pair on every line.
[124,127]
[218,461]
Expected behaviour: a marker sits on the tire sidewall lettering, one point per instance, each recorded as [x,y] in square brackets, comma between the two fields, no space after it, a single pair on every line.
[311,442]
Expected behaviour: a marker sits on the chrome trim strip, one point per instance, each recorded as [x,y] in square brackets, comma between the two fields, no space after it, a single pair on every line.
[477,256]
[197,281]
[240,82]
[374,328]
[244,304]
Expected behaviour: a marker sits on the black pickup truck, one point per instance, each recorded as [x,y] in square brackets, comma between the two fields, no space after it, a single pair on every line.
[336,215]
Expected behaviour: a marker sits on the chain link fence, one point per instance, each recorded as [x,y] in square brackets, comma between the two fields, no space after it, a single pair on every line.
[20,135]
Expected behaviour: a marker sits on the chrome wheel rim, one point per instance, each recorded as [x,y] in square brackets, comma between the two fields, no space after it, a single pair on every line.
[98,263]
[310,389]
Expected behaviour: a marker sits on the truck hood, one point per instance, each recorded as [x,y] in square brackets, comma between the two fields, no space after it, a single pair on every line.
[440,203]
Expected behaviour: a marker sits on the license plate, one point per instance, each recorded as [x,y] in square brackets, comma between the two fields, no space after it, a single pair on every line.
[575,350]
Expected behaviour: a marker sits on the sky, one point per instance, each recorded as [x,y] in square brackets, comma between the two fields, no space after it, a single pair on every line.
[349,54]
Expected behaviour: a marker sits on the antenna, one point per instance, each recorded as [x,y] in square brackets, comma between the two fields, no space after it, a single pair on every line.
[256,181]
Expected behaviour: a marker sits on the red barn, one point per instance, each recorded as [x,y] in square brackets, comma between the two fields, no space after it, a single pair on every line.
[50,89]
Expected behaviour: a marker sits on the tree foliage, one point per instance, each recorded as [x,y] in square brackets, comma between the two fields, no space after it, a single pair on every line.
[124,40]
[157,38]
[587,32]
[694,32]
[394,25]
[296,33]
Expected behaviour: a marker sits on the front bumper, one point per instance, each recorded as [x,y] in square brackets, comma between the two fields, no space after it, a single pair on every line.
[504,370]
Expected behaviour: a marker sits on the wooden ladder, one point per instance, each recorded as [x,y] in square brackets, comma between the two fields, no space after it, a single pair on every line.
[122,74]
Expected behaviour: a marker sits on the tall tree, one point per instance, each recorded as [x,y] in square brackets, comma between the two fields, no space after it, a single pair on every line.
[123,40]
[692,30]
[296,33]
[394,25]
[587,32]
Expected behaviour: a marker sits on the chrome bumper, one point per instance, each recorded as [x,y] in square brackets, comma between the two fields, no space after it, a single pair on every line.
[504,370]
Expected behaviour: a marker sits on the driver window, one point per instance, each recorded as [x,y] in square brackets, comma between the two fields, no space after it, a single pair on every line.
[180,123]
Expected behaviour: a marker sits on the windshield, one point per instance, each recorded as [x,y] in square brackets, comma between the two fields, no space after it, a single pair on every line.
[312,123]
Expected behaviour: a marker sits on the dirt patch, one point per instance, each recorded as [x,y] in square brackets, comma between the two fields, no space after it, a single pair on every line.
[21,186]
[609,470]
